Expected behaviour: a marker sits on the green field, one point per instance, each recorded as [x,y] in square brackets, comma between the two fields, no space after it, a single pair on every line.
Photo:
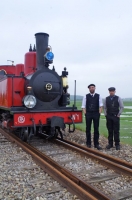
[125,123]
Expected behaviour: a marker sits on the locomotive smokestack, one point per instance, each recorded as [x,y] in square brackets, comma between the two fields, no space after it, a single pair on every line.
[41,46]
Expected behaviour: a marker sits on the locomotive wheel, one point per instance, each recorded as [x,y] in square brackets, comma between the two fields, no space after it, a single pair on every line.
[24,134]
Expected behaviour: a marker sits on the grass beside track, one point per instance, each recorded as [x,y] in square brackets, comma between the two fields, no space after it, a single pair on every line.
[125,123]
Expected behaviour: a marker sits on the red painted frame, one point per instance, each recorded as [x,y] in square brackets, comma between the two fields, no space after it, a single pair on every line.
[24,119]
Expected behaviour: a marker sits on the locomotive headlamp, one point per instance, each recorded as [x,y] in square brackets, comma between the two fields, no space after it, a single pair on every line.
[29,101]
[49,56]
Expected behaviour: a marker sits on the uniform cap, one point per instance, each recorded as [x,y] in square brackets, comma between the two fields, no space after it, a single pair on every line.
[91,85]
[111,89]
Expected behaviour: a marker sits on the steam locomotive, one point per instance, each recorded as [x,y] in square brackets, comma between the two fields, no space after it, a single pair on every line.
[33,98]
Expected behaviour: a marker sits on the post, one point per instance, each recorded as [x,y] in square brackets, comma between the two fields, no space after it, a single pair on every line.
[75,94]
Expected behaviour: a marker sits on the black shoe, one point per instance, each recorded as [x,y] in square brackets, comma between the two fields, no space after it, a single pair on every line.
[98,147]
[117,147]
[109,146]
[88,145]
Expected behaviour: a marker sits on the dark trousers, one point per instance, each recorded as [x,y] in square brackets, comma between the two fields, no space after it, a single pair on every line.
[113,126]
[92,116]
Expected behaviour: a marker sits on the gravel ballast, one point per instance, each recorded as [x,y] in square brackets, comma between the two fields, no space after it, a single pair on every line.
[21,178]
[125,153]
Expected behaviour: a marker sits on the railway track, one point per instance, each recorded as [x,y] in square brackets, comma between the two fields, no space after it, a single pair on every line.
[77,180]
[119,165]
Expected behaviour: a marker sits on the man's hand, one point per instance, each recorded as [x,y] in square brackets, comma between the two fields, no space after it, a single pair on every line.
[84,111]
[100,110]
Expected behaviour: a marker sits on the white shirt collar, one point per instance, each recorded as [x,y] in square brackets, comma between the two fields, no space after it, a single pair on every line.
[92,94]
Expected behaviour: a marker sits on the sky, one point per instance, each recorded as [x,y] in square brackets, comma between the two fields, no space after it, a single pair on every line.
[91,38]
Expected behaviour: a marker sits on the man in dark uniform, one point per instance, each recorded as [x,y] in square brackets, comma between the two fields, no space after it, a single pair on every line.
[113,107]
[92,107]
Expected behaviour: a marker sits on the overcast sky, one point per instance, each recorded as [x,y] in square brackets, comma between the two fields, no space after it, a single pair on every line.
[92,38]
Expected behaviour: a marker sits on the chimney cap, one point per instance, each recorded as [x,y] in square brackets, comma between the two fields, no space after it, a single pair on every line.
[41,34]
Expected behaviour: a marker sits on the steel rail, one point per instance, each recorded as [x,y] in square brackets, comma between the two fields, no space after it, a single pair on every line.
[106,156]
[75,185]
[116,164]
